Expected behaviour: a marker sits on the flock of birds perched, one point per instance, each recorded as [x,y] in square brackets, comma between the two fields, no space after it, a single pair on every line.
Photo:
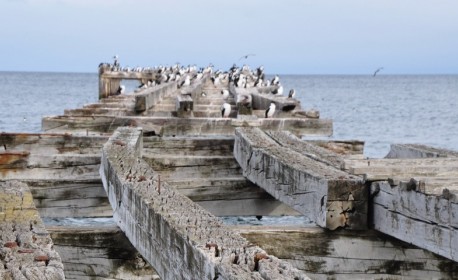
[185,75]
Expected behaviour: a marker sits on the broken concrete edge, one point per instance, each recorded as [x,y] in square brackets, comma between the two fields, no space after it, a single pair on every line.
[151,96]
[176,236]
[418,151]
[427,221]
[26,248]
[326,195]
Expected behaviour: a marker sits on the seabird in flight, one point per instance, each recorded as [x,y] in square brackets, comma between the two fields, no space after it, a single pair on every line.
[271,110]
[246,56]
[376,71]
[225,110]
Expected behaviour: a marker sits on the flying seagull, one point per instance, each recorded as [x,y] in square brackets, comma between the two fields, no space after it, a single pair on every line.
[246,56]
[376,71]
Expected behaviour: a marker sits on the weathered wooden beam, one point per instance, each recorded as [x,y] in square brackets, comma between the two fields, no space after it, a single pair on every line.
[427,221]
[184,126]
[399,163]
[327,196]
[349,254]
[98,253]
[131,75]
[179,238]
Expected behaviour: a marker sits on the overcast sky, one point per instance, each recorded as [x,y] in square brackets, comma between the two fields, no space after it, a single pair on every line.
[287,37]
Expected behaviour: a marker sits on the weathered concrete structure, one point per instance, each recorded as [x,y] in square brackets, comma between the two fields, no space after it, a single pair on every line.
[316,188]
[180,239]
[26,247]
[190,151]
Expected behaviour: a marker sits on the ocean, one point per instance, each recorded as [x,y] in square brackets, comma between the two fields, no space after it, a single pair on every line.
[379,110]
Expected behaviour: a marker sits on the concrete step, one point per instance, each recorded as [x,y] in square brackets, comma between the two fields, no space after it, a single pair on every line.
[198,146]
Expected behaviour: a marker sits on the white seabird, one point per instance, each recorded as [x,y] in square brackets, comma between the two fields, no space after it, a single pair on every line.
[292,93]
[271,110]
[225,110]
[225,94]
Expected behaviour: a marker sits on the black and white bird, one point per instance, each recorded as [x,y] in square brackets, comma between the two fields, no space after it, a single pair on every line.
[292,93]
[121,89]
[275,80]
[186,82]
[278,91]
[225,110]
[225,94]
[271,110]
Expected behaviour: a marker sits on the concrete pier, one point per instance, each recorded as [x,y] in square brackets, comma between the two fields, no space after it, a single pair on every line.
[179,238]
[173,164]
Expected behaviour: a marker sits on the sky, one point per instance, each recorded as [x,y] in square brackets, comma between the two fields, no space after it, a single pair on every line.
[286,37]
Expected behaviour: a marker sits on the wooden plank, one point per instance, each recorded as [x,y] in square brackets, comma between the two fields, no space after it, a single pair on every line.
[400,213]
[99,252]
[356,163]
[349,254]
[418,151]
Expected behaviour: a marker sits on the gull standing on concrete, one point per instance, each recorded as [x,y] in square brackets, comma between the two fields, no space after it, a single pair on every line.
[271,110]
